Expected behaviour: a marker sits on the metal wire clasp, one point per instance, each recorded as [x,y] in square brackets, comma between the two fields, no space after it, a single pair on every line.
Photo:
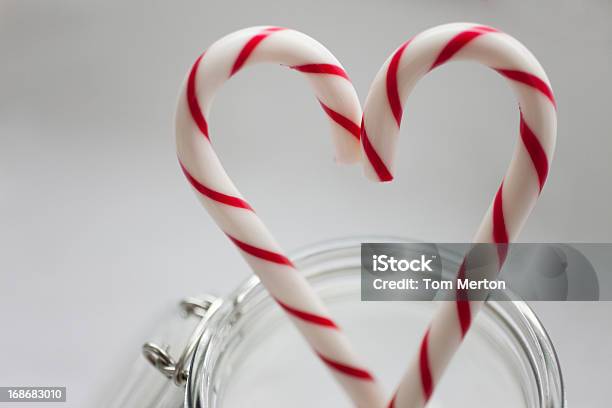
[160,357]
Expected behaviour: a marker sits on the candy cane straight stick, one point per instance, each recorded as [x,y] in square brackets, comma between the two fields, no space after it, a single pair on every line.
[236,217]
[519,189]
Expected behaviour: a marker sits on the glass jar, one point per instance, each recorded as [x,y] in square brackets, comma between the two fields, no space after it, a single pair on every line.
[250,355]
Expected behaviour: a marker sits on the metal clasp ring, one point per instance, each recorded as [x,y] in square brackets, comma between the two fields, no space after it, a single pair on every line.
[160,357]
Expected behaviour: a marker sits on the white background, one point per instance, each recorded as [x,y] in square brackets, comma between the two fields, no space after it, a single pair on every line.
[100,235]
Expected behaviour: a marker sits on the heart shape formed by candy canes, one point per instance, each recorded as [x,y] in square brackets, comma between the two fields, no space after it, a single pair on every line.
[519,190]
[231,211]
[512,204]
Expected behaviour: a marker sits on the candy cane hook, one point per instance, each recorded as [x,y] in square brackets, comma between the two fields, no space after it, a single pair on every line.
[519,189]
[232,212]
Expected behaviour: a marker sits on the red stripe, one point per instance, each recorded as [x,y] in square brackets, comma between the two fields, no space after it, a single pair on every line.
[392,90]
[458,42]
[464,314]
[502,253]
[426,381]
[379,166]
[500,234]
[261,253]
[309,317]
[392,402]
[485,29]
[329,69]
[348,370]
[536,152]
[353,128]
[215,195]
[463,305]
[530,80]
[250,46]
[192,99]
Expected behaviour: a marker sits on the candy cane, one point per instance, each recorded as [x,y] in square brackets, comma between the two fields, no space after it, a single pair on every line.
[236,217]
[519,189]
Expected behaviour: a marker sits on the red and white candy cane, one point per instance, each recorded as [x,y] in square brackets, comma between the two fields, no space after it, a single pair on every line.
[236,217]
[519,189]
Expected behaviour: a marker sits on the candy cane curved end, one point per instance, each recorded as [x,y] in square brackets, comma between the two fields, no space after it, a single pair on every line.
[292,49]
[432,48]
[235,216]
[519,189]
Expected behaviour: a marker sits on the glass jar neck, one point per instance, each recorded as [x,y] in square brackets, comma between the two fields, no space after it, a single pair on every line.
[327,264]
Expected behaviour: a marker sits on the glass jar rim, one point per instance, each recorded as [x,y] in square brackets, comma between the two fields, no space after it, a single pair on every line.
[540,350]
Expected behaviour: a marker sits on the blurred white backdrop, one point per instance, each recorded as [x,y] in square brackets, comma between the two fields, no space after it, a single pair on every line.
[101,234]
